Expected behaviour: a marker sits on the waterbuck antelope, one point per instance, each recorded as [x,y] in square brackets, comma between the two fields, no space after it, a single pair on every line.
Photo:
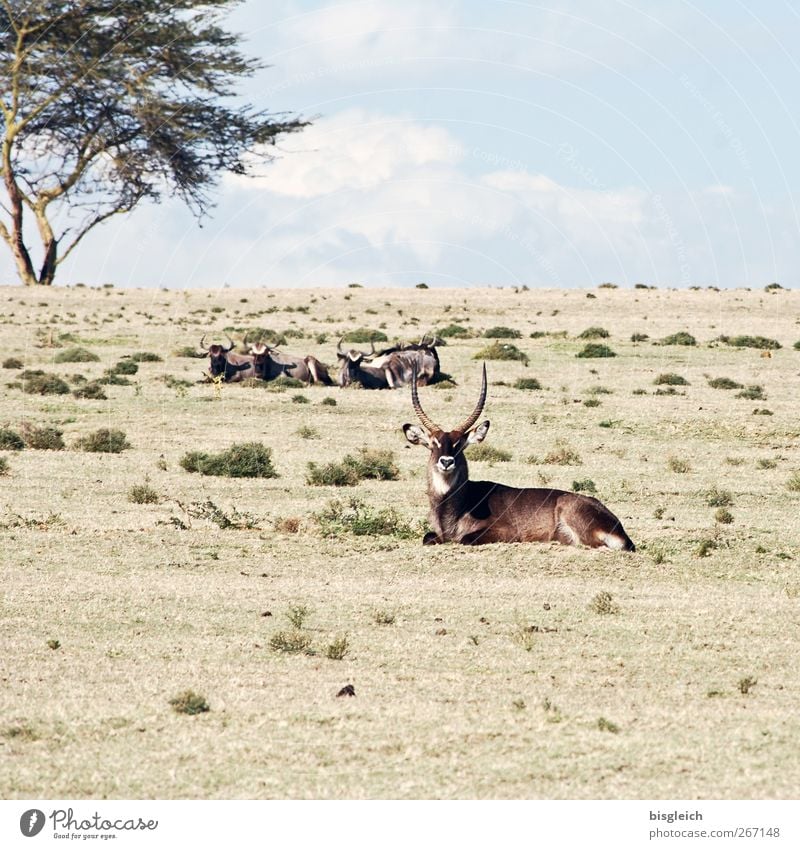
[270,363]
[232,367]
[477,512]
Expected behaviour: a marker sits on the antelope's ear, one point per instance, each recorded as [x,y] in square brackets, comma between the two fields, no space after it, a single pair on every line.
[479,434]
[416,435]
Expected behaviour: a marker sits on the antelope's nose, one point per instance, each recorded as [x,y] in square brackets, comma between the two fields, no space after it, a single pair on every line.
[446,463]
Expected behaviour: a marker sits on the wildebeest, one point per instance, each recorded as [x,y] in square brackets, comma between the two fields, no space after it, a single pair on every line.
[477,512]
[390,368]
[270,363]
[221,362]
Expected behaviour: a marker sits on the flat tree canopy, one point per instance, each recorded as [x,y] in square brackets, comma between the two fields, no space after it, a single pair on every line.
[106,104]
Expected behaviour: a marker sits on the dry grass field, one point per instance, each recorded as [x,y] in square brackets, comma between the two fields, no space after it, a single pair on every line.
[504,671]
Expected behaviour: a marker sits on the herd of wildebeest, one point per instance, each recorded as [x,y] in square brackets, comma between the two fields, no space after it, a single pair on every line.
[461,510]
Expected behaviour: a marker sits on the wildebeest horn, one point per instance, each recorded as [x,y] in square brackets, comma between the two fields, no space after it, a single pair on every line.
[339,344]
[244,341]
[232,343]
[372,343]
[202,341]
[427,423]
[467,425]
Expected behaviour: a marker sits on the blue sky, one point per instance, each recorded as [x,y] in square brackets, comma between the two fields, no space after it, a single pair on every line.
[499,143]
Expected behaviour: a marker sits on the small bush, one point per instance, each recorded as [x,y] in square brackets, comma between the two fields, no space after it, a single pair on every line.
[143,493]
[591,402]
[453,330]
[723,516]
[92,391]
[307,432]
[360,519]
[332,474]
[705,547]
[43,438]
[501,351]
[562,455]
[328,402]
[4,467]
[146,357]
[384,617]
[501,332]
[680,338]
[678,465]
[10,440]
[639,337]
[671,379]
[594,333]
[190,703]
[126,367]
[719,498]
[12,362]
[530,383]
[604,724]
[104,441]
[76,355]
[766,463]
[300,399]
[111,378]
[291,642]
[763,411]
[754,392]
[208,511]
[793,484]
[604,604]
[372,464]
[283,382]
[745,685]
[723,383]
[594,350]
[487,453]
[338,649]
[796,346]
[608,286]
[38,382]
[297,615]
[241,460]
[585,485]
[365,335]
[761,342]
[186,351]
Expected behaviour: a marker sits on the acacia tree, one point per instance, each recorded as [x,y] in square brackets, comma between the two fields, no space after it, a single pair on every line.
[108,103]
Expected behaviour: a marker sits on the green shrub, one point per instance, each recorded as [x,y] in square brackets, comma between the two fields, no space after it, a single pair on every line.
[680,338]
[762,342]
[753,392]
[340,646]
[594,333]
[454,330]
[190,703]
[300,399]
[4,467]
[43,438]
[793,484]
[282,383]
[365,335]
[76,355]
[527,383]
[14,362]
[328,402]
[10,440]
[124,367]
[143,493]
[608,286]
[93,391]
[639,337]
[146,357]
[360,519]
[186,351]
[487,454]
[671,379]
[723,383]
[291,642]
[501,332]
[604,604]
[372,464]
[241,460]
[104,441]
[37,382]
[584,485]
[501,351]
[723,516]
[796,346]
[594,350]
[591,402]
[112,378]
[678,465]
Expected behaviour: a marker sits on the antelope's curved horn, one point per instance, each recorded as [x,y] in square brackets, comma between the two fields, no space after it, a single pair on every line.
[339,345]
[232,343]
[372,343]
[244,341]
[468,423]
[202,342]
[421,415]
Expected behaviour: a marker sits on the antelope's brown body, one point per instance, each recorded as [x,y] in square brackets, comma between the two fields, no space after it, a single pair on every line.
[479,512]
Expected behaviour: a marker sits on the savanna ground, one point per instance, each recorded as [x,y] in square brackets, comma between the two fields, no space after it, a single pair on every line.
[516,671]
